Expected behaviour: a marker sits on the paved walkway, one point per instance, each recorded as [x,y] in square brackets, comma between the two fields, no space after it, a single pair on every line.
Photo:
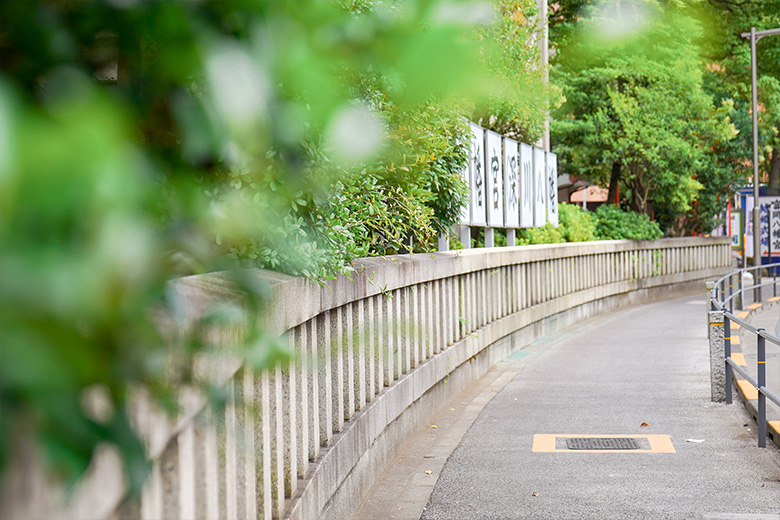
[641,374]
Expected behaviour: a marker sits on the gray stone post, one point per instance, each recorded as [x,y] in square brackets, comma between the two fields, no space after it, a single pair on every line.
[708,307]
[489,237]
[510,237]
[465,236]
[444,242]
[717,356]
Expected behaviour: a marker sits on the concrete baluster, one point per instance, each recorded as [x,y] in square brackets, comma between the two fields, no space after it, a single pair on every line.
[315,431]
[291,420]
[214,470]
[371,356]
[265,462]
[338,371]
[350,311]
[438,317]
[325,327]
[231,456]
[429,327]
[303,399]
[487,294]
[407,318]
[474,302]
[188,471]
[360,347]
[462,303]
[381,341]
[152,496]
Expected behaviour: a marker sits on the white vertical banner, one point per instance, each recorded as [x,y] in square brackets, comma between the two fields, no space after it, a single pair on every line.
[494,172]
[540,189]
[477,177]
[465,211]
[526,186]
[552,188]
[511,183]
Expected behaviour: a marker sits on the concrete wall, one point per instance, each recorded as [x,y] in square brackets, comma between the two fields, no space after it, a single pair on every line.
[375,354]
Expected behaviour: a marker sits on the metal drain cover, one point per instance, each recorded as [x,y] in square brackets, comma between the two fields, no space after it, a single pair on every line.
[602,443]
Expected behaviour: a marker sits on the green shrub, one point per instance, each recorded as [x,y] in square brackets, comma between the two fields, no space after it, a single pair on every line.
[576,224]
[616,224]
[547,234]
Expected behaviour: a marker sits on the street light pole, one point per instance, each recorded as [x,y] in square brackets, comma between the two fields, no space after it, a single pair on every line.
[756,207]
[754,37]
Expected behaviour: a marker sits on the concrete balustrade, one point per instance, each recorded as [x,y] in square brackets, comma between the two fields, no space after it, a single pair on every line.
[374,356]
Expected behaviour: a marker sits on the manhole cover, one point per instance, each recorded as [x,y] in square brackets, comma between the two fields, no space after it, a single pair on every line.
[602,443]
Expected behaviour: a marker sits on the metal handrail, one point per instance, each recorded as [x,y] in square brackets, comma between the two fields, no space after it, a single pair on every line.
[720,302]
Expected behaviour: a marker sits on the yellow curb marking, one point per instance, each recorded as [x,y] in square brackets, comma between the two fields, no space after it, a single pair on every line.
[774,299]
[743,314]
[754,306]
[775,425]
[545,443]
[735,340]
[739,358]
[748,390]
[735,326]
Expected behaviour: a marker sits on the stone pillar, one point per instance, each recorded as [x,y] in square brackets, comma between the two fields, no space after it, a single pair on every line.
[489,237]
[717,356]
[708,307]
[444,242]
[465,236]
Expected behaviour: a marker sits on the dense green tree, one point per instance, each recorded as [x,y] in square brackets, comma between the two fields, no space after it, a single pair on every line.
[519,99]
[636,114]
[728,54]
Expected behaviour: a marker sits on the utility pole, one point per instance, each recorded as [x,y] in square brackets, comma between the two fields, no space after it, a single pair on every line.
[544,47]
[754,37]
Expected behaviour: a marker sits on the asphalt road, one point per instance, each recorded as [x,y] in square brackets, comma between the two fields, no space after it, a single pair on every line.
[641,371]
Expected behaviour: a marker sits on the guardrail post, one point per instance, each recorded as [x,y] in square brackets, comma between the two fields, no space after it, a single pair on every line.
[761,351]
[727,355]
[731,293]
[717,356]
[739,292]
[709,307]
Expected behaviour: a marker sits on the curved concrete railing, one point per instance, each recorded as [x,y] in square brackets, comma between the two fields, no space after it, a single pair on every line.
[374,356]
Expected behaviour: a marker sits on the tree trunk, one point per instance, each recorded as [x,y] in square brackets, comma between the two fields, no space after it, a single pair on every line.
[638,200]
[614,181]
[774,169]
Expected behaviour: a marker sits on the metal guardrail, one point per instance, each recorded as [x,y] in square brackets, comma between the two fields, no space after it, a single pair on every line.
[720,302]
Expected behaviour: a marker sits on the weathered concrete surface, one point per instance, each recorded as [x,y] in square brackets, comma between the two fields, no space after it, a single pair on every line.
[716,333]
[642,365]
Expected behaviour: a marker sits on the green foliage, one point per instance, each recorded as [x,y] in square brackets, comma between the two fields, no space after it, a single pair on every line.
[576,224]
[547,234]
[615,224]
[518,103]
[635,103]
[728,77]
[80,265]
[608,222]
[141,141]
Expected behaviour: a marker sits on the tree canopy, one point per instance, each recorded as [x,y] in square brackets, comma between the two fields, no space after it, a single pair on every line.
[636,113]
